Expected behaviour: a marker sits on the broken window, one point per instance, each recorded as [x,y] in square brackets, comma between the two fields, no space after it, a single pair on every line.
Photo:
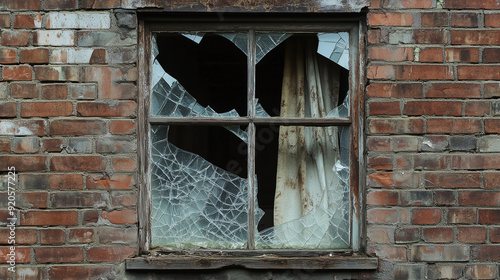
[250,140]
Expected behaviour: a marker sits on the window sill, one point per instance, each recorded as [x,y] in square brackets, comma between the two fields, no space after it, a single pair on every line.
[333,261]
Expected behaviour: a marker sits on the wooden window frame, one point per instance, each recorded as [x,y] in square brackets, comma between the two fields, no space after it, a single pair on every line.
[251,258]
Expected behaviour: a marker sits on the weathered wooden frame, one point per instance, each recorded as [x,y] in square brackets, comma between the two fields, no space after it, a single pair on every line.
[355,121]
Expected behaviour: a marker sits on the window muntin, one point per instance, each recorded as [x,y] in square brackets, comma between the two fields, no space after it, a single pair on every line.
[233,229]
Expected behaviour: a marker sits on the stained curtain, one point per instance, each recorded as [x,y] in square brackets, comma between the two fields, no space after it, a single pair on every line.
[307,155]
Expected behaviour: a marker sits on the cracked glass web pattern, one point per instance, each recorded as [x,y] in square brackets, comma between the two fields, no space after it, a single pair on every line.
[325,226]
[265,42]
[335,46]
[341,111]
[195,203]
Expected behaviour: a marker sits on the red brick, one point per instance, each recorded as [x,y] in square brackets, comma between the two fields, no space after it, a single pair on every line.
[485,253]
[431,55]
[481,198]
[453,90]
[15,38]
[51,181]
[122,198]
[23,236]
[491,55]
[430,161]
[407,4]
[464,20]
[405,144]
[438,235]
[57,73]
[492,125]
[384,216]
[453,126]
[77,163]
[394,90]
[7,56]
[100,109]
[407,235]
[115,181]
[396,126]
[34,5]
[384,108]
[429,36]
[477,108]
[52,236]
[4,146]
[77,200]
[4,20]
[381,144]
[382,198]
[380,72]
[118,235]
[81,235]
[17,73]
[58,254]
[424,72]
[22,127]
[444,198]
[462,216]
[452,180]
[34,56]
[23,163]
[381,179]
[471,234]
[492,20]
[54,91]
[8,109]
[46,109]
[434,253]
[388,252]
[25,145]
[122,127]
[24,90]
[489,216]
[60,4]
[119,217]
[478,72]
[123,164]
[52,145]
[475,37]
[425,216]
[77,127]
[110,254]
[434,19]
[374,36]
[492,180]
[110,81]
[380,162]
[49,218]
[390,19]
[471,4]
[389,53]
[436,108]
[103,4]
[28,21]
[23,254]
[462,54]
[495,235]
[32,200]
[78,272]
[490,161]
[481,271]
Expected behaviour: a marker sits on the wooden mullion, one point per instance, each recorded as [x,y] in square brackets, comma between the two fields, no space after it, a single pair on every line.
[244,120]
[251,138]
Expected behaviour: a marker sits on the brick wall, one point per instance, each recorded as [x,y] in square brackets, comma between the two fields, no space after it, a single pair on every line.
[68,124]
[432,104]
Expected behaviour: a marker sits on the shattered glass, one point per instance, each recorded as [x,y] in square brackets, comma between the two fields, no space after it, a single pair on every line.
[335,46]
[195,203]
[326,225]
[341,111]
[265,42]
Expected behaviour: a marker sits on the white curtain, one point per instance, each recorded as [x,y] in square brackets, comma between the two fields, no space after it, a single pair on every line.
[306,155]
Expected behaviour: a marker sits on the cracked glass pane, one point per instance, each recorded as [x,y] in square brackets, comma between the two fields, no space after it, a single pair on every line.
[335,46]
[315,207]
[295,65]
[265,42]
[195,203]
